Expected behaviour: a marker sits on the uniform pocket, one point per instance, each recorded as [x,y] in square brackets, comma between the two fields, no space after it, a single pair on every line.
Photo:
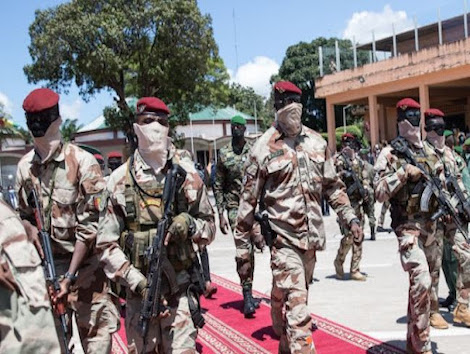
[63,208]
[280,173]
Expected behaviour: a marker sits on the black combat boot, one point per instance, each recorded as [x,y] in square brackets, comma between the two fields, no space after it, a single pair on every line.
[372,235]
[249,307]
[447,302]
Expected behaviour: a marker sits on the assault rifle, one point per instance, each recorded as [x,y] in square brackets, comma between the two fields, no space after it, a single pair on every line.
[49,266]
[266,230]
[157,257]
[433,187]
[463,204]
[357,185]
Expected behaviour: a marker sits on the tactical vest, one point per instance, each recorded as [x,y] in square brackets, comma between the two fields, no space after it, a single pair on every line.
[144,208]
[349,181]
[405,204]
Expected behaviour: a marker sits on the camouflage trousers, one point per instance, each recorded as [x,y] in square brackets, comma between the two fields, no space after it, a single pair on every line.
[174,334]
[369,210]
[450,268]
[232,216]
[461,250]
[292,273]
[25,329]
[383,211]
[347,243]
[415,240]
[95,309]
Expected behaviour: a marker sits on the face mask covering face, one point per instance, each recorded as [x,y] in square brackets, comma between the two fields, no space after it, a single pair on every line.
[410,133]
[436,140]
[349,152]
[289,119]
[153,144]
[48,144]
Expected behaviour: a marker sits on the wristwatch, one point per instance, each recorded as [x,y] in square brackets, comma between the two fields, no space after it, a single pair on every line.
[71,277]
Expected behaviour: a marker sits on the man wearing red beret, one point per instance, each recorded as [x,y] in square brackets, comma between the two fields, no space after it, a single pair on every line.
[288,169]
[353,173]
[435,140]
[129,217]
[114,160]
[69,182]
[402,184]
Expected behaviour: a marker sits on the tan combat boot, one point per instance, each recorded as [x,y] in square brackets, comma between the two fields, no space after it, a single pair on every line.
[358,276]
[339,270]
[462,315]
[437,321]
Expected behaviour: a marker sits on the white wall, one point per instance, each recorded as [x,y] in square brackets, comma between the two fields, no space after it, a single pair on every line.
[94,137]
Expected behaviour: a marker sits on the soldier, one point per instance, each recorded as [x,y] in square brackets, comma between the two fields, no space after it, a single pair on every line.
[128,219]
[289,168]
[435,140]
[114,160]
[25,309]
[402,183]
[369,203]
[347,163]
[100,160]
[227,189]
[68,182]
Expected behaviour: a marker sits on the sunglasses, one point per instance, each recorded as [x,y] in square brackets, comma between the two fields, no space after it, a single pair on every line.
[438,128]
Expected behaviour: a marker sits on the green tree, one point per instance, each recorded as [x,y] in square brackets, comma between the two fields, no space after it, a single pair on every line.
[69,128]
[245,99]
[162,48]
[301,66]
[7,129]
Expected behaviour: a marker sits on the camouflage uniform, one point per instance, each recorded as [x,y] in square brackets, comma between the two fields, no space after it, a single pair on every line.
[357,203]
[26,319]
[69,186]
[383,211]
[416,234]
[291,174]
[228,186]
[369,204]
[127,226]
[449,231]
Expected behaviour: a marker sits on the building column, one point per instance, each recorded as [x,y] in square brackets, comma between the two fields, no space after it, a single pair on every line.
[382,123]
[424,103]
[331,126]
[374,120]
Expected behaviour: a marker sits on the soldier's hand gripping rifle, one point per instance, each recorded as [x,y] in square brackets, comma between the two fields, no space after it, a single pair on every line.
[266,230]
[49,266]
[357,185]
[433,187]
[156,254]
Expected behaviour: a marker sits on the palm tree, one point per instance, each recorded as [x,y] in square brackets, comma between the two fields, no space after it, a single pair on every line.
[69,128]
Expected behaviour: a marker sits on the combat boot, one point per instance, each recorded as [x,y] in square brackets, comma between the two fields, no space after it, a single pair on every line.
[448,302]
[462,315]
[358,276]
[249,308]
[372,235]
[437,321]
[339,270]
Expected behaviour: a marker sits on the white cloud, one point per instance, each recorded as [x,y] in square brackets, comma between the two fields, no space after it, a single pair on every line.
[70,110]
[361,24]
[7,104]
[256,74]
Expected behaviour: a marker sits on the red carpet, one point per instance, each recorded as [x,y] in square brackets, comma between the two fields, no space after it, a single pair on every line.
[227,331]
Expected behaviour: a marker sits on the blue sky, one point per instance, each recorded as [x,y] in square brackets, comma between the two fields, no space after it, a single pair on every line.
[264,30]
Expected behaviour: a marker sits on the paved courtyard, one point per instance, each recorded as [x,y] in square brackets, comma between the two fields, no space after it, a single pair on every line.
[376,307]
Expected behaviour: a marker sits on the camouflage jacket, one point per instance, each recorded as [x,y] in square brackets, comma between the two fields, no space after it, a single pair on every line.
[290,175]
[391,182]
[192,194]
[22,258]
[229,175]
[362,170]
[70,185]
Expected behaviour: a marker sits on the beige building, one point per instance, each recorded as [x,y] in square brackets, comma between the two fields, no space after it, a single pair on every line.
[430,64]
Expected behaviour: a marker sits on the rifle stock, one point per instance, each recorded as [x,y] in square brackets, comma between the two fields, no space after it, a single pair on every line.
[49,266]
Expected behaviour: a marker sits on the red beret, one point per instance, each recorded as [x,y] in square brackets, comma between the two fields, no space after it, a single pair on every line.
[98,157]
[346,136]
[151,104]
[114,154]
[40,99]
[286,86]
[406,103]
[433,112]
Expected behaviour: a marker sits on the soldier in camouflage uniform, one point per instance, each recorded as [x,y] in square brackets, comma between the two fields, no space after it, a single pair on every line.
[26,319]
[347,162]
[289,168]
[403,184]
[369,203]
[68,182]
[227,189]
[435,140]
[128,224]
